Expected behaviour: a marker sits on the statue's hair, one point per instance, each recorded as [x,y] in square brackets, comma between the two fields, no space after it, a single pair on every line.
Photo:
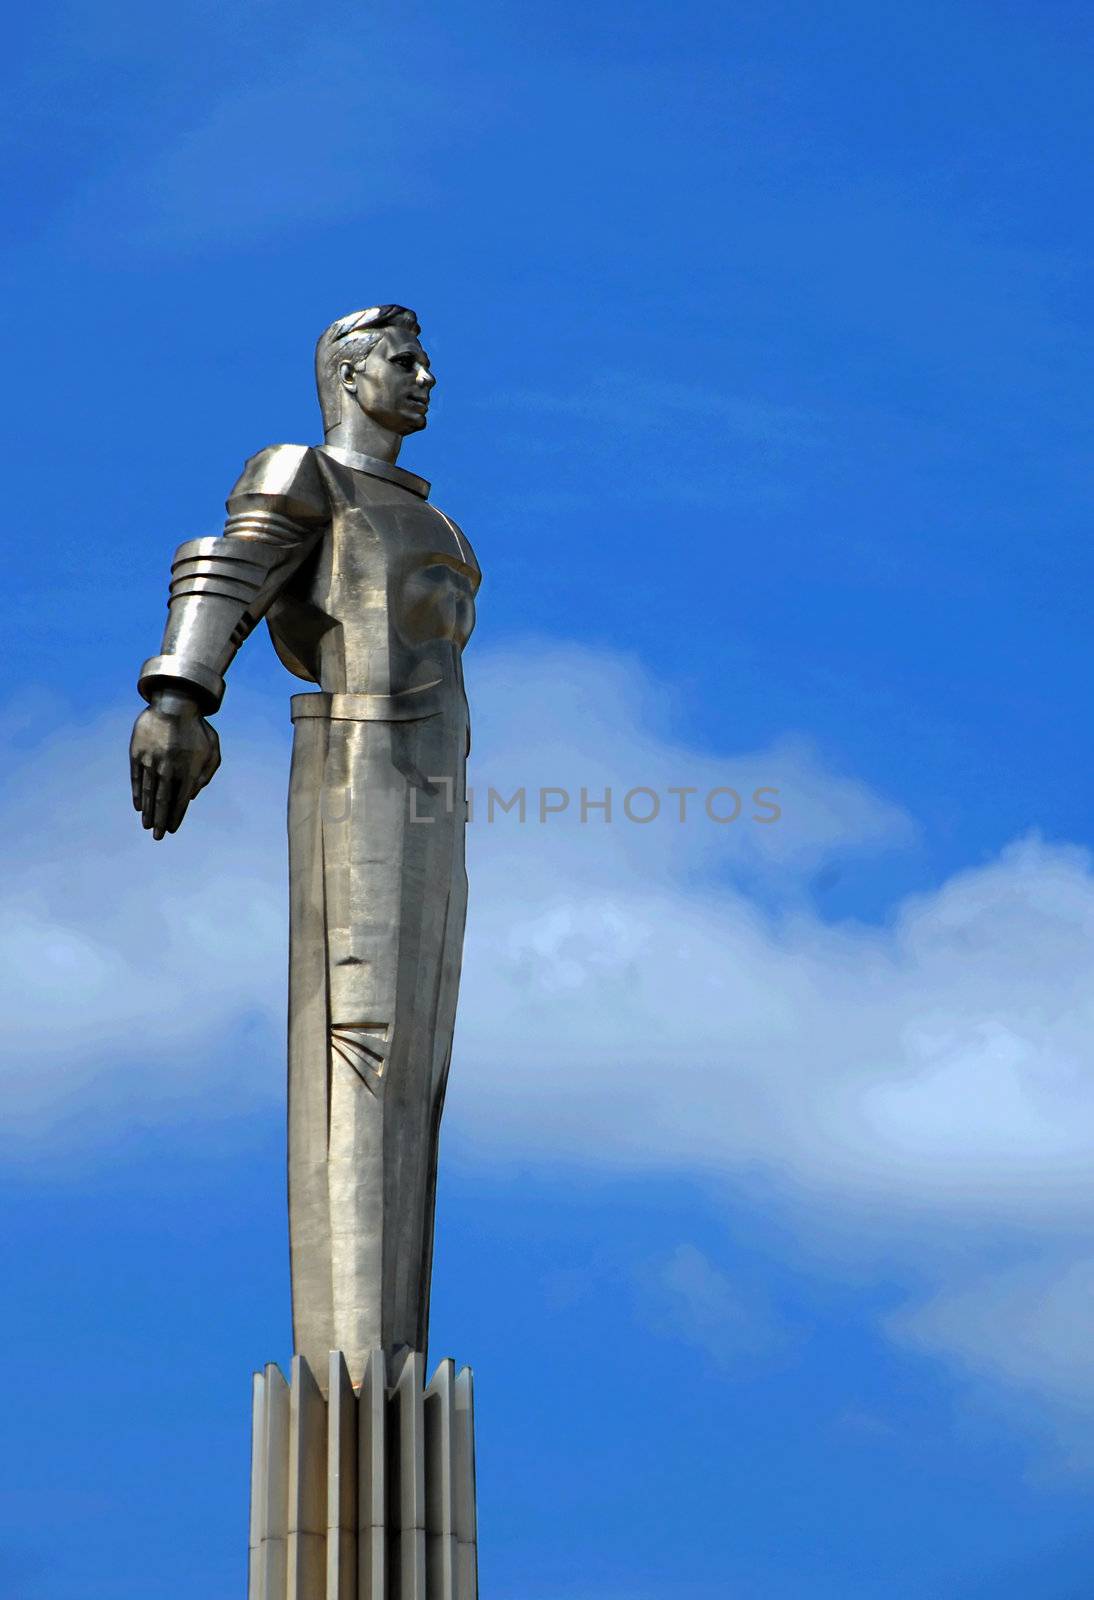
[350,339]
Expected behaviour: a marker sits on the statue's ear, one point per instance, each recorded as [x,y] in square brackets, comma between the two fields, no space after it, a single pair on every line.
[347,376]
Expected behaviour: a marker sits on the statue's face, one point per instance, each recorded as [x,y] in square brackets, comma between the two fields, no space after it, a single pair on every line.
[394,385]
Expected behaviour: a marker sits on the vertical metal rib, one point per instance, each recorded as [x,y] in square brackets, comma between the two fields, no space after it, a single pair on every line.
[369,1499]
[440,1487]
[372,1481]
[272,1553]
[406,1503]
[464,1458]
[307,1520]
[255,1585]
[341,1482]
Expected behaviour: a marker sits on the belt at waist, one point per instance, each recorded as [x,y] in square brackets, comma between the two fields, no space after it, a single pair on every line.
[408,706]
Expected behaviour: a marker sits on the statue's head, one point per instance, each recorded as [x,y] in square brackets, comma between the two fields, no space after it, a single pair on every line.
[372,360]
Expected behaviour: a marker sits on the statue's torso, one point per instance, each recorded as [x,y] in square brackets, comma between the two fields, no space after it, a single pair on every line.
[386,602]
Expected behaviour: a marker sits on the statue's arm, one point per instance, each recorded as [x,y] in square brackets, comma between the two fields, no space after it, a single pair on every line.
[220,588]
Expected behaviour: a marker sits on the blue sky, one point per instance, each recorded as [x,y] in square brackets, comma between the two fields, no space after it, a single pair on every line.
[764,345]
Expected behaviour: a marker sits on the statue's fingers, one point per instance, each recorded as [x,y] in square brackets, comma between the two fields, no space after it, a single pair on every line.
[181,795]
[136,779]
[149,785]
[166,793]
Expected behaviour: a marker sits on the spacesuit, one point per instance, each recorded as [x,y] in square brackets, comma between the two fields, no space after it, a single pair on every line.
[369,593]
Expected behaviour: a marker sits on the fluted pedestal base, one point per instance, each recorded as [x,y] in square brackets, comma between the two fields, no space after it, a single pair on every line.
[368,1494]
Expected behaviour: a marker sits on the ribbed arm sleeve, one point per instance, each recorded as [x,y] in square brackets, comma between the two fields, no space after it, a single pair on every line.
[221,587]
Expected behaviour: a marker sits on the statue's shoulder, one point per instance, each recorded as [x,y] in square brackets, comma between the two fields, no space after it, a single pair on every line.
[283,478]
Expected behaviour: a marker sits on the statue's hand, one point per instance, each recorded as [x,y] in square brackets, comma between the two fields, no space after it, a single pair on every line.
[172,755]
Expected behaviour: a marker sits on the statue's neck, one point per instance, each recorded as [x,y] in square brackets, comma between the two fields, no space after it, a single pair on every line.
[366,437]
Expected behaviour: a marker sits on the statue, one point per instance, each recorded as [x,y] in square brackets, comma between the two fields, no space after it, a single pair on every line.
[368,592]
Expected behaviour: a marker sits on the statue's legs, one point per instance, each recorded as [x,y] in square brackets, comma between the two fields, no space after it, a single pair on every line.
[378,895]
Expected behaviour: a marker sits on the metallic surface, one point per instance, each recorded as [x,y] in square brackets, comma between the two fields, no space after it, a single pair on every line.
[364,1497]
[368,592]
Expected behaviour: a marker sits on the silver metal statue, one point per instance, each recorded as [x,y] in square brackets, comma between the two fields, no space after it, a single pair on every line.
[368,591]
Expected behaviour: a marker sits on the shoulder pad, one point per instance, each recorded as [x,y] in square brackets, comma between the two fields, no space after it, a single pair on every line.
[283,478]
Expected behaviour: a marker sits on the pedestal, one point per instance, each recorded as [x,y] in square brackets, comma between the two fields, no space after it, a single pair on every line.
[368,1494]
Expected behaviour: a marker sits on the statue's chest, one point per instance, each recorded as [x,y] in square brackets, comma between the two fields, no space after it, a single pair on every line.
[407,565]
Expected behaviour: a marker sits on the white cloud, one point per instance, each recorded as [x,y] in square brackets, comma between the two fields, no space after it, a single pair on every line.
[1026,1326]
[688,1299]
[643,995]
[128,967]
[657,997]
